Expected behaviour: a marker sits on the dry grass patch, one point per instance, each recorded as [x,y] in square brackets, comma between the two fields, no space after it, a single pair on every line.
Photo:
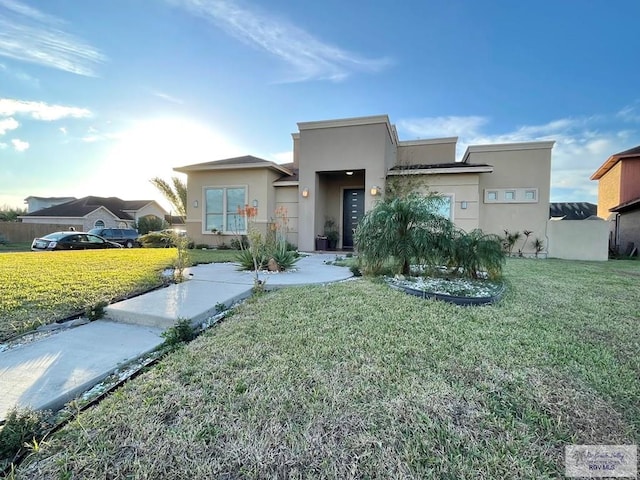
[357,380]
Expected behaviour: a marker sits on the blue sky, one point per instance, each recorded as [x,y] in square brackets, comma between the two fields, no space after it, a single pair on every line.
[98,97]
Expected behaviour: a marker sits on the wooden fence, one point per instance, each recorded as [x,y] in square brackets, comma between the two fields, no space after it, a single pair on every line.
[18,232]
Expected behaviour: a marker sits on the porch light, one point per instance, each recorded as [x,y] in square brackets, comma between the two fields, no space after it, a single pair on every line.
[255,203]
[305,192]
[195,204]
[375,190]
[464,205]
[349,173]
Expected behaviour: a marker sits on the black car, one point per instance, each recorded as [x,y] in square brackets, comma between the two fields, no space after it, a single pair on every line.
[127,237]
[71,241]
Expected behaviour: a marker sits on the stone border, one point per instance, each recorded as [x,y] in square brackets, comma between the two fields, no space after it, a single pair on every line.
[464,301]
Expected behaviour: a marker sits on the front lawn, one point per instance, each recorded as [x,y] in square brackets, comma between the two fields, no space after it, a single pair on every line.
[357,380]
[42,287]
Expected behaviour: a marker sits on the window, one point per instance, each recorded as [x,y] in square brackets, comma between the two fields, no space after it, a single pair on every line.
[99,224]
[444,207]
[222,205]
[492,195]
[530,195]
[510,195]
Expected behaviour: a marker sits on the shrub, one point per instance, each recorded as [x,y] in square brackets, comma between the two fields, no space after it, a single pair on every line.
[150,223]
[239,244]
[245,259]
[21,426]
[283,257]
[476,252]
[181,332]
[95,312]
[402,230]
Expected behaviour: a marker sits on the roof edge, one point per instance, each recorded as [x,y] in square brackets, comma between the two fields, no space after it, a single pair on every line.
[506,147]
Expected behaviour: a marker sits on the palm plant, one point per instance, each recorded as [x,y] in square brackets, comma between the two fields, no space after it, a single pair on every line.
[400,230]
[175,193]
[477,252]
[510,239]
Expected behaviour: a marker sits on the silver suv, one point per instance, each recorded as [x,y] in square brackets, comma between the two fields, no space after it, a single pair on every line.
[124,236]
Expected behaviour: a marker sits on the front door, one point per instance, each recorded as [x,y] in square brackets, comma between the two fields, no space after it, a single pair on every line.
[352,212]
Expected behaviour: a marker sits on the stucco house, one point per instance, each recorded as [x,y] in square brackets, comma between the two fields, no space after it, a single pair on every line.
[619,197]
[89,212]
[341,168]
[38,203]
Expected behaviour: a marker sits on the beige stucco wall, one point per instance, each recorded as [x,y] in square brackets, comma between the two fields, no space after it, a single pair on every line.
[259,183]
[150,209]
[287,198]
[426,153]
[519,168]
[578,239]
[357,147]
[463,187]
[609,190]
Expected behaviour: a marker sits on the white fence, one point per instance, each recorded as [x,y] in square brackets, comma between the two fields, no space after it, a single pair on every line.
[578,239]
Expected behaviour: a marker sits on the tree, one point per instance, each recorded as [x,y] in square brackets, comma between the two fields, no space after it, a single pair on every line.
[402,229]
[175,194]
[10,214]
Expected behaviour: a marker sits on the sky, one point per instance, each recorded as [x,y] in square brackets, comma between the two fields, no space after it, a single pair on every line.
[97,98]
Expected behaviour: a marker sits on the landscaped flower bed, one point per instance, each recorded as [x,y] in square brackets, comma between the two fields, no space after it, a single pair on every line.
[458,290]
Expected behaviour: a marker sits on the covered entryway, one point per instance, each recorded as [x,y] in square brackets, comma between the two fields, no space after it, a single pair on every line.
[352,212]
[339,206]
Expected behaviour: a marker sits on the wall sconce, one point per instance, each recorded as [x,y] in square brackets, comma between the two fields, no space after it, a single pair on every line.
[375,190]
[305,192]
[349,173]
[195,204]
[464,205]
[255,203]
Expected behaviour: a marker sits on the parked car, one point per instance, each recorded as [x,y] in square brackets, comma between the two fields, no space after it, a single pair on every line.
[127,237]
[71,241]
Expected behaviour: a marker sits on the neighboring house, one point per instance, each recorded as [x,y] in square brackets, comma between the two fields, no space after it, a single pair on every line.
[618,195]
[89,212]
[627,227]
[38,203]
[572,210]
[342,167]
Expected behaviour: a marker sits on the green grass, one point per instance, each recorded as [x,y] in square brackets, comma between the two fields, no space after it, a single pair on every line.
[41,287]
[15,247]
[356,380]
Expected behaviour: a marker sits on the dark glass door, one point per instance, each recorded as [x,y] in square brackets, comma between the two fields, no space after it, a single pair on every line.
[352,212]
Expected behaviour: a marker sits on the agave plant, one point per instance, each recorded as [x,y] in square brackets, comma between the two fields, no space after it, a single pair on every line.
[400,230]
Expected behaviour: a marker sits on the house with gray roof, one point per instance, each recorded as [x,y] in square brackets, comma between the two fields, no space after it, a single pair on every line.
[90,212]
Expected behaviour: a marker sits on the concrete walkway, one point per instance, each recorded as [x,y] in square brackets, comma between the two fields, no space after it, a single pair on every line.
[47,373]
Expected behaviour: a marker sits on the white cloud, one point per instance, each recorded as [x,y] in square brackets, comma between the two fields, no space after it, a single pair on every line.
[3,146]
[435,127]
[282,157]
[63,130]
[40,110]
[19,145]
[167,97]
[310,58]
[29,35]
[7,124]
[582,144]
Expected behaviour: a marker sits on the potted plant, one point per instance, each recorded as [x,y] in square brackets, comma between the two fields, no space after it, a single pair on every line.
[331,233]
[321,243]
